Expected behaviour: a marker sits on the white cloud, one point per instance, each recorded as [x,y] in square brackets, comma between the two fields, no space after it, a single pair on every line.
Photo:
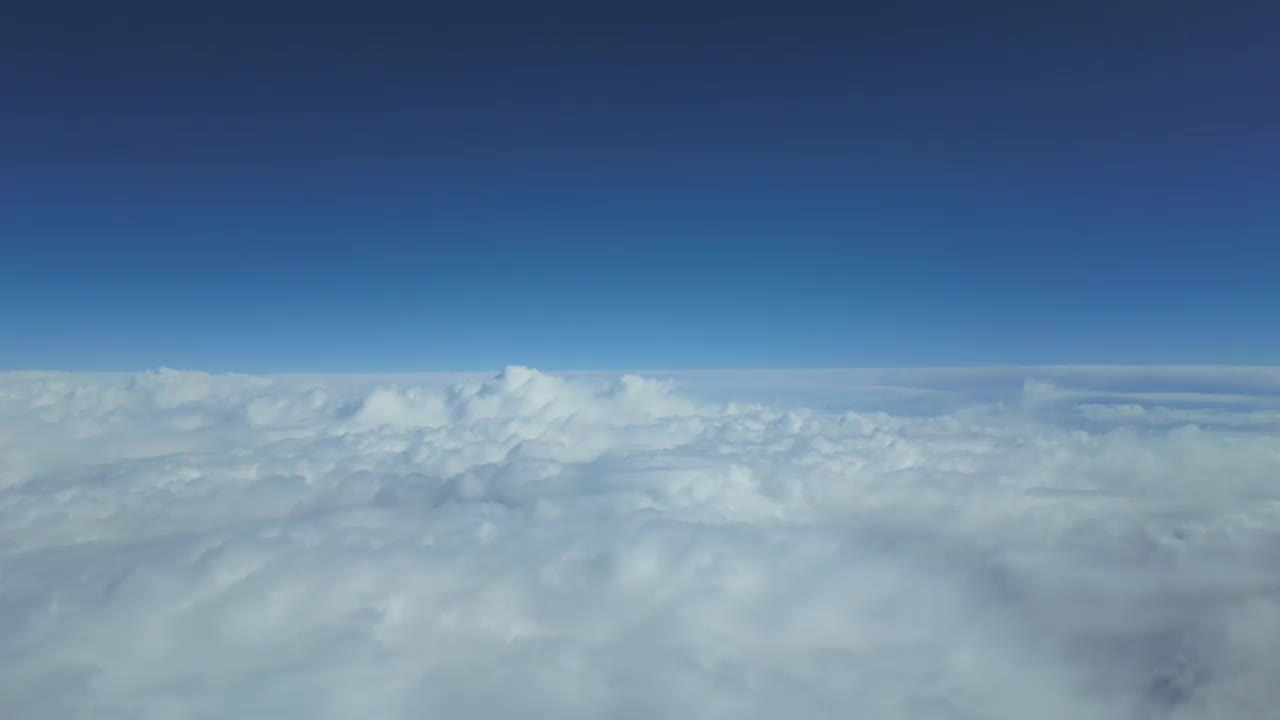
[896,544]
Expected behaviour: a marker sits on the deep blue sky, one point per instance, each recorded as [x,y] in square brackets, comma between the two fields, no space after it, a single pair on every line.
[285,186]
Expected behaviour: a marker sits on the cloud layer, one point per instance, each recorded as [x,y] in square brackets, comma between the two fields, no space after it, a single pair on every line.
[1002,544]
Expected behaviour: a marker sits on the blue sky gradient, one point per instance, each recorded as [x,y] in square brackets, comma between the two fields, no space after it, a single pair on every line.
[569,186]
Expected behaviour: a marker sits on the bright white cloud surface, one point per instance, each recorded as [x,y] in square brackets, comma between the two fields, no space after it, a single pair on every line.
[985,544]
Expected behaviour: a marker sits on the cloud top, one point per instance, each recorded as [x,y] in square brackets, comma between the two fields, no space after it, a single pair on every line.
[185,545]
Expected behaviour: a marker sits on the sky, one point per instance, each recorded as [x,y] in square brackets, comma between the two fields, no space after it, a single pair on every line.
[394,187]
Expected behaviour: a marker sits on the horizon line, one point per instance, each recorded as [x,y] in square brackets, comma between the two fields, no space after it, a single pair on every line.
[684,370]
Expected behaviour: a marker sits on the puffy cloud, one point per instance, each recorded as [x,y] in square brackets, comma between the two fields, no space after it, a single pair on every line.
[890,544]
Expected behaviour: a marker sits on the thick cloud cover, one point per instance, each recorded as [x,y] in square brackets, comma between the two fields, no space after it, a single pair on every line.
[1011,543]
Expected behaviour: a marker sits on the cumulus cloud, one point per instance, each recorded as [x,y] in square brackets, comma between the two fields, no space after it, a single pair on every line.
[1006,543]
